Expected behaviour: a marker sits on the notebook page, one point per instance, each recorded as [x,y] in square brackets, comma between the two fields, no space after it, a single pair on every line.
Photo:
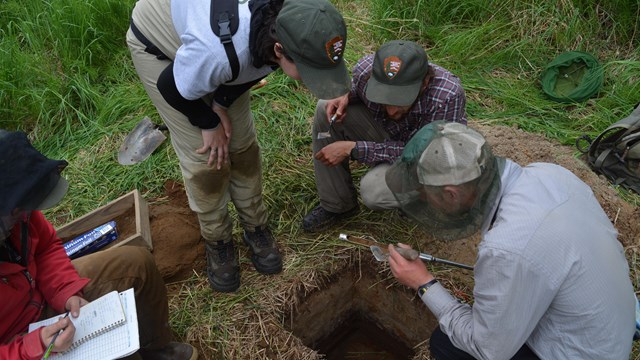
[96,317]
[114,344]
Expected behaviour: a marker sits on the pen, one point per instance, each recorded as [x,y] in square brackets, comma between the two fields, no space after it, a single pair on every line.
[55,336]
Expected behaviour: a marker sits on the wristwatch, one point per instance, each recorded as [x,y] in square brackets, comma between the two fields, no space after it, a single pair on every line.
[422,289]
[354,153]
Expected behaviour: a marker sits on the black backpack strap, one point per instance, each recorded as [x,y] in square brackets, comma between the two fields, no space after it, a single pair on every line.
[149,47]
[224,23]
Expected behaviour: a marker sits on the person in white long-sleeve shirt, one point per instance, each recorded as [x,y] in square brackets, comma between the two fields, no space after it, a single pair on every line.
[551,278]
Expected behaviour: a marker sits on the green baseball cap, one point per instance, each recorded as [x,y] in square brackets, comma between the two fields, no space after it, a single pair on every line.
[314,34]
[399,68]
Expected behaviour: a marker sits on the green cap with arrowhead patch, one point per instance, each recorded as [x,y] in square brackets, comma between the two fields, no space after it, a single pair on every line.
[399,68]
[314,34]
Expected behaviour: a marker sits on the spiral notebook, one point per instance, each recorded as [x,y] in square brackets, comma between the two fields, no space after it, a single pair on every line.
[107,328]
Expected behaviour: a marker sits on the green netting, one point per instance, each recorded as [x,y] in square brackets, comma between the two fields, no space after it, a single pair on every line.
[573,76]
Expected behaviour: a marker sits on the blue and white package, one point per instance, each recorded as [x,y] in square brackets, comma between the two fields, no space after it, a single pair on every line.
[92,240]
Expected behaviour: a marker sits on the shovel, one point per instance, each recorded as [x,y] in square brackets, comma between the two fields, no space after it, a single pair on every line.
[383,255]
[141,142]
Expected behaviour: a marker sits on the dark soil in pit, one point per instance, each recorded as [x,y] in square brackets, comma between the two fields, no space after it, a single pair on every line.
[356,315]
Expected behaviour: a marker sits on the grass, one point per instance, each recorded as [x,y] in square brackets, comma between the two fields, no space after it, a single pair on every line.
[67,80]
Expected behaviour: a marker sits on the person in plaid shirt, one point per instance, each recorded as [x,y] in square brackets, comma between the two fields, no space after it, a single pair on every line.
[394,93]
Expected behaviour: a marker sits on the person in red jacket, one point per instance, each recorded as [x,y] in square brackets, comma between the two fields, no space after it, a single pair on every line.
[37,278]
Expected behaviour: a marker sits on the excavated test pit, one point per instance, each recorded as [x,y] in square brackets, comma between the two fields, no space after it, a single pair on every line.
[360,315]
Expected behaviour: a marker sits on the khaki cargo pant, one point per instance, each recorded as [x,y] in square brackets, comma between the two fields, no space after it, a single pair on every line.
[334,183]
[126,267]
[209,190]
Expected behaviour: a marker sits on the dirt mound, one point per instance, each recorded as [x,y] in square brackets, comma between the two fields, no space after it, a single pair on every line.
[175,233]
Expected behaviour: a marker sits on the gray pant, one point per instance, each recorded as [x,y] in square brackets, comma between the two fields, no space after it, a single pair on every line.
[209,190]
[334,183]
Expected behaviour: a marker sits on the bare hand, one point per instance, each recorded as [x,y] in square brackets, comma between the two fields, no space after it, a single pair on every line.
[337,106]
[64,340]
[73,305]
[224,118]
[216,142]
[335,153]
[409,273]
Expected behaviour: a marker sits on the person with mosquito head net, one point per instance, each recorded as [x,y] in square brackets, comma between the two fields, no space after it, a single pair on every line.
[200,84]
[550,281]
[394,93]
[38,278]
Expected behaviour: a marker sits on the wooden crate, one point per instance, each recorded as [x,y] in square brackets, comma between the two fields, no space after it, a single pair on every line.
[131,214]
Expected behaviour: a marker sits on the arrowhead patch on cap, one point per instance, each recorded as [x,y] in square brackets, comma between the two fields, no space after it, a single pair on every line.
[335,49]
[392,66]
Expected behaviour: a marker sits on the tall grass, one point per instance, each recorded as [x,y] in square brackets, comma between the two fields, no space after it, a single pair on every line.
[66,78]
[54,57]
[499,49]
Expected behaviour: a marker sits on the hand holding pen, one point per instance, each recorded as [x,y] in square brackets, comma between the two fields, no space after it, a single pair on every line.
[61,331]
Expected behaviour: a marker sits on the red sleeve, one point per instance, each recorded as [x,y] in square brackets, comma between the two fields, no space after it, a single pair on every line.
[56,277]
[27,347]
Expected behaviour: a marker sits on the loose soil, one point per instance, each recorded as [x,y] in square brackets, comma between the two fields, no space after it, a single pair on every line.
[179,251]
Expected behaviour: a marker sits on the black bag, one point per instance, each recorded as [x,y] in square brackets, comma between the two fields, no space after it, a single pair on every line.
[615,153]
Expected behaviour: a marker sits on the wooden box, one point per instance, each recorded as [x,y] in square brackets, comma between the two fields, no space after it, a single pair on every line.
[131,214]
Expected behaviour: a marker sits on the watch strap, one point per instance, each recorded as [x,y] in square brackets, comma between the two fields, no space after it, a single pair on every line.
[354,153]
[422,289]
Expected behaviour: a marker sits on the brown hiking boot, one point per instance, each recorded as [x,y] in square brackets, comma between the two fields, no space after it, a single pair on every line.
[222,267]
[319,219]
[171,351]
[264,254]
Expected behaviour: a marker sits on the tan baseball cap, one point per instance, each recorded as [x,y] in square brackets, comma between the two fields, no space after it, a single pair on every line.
[441,154]
[452,158]
[314,34]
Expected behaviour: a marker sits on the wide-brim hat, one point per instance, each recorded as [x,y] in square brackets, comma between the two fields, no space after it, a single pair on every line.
[572,76]
[28,179]
[314,35]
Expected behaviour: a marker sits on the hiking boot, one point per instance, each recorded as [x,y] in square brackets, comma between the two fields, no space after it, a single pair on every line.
[265,255]
[222,267]
[320,219]
[171,351]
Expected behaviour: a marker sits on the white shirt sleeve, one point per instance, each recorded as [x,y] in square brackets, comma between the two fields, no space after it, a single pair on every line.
[198,72]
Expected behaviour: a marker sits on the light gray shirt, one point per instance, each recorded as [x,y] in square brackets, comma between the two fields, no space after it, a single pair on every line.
[201,63]
[550,272]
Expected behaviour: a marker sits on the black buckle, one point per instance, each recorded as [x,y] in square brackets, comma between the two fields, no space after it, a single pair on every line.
[225,29]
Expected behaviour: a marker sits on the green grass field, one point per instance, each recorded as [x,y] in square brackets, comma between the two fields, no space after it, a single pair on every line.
[66,78]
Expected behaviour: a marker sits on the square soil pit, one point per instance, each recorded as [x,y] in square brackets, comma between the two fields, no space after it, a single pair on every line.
[131,214]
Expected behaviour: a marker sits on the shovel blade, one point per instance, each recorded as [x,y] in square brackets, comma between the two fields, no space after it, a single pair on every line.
[140,142]
[378,253]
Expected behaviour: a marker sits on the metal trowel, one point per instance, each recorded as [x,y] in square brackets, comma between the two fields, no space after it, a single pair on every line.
[327,134]
[382,254]
[141,142]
